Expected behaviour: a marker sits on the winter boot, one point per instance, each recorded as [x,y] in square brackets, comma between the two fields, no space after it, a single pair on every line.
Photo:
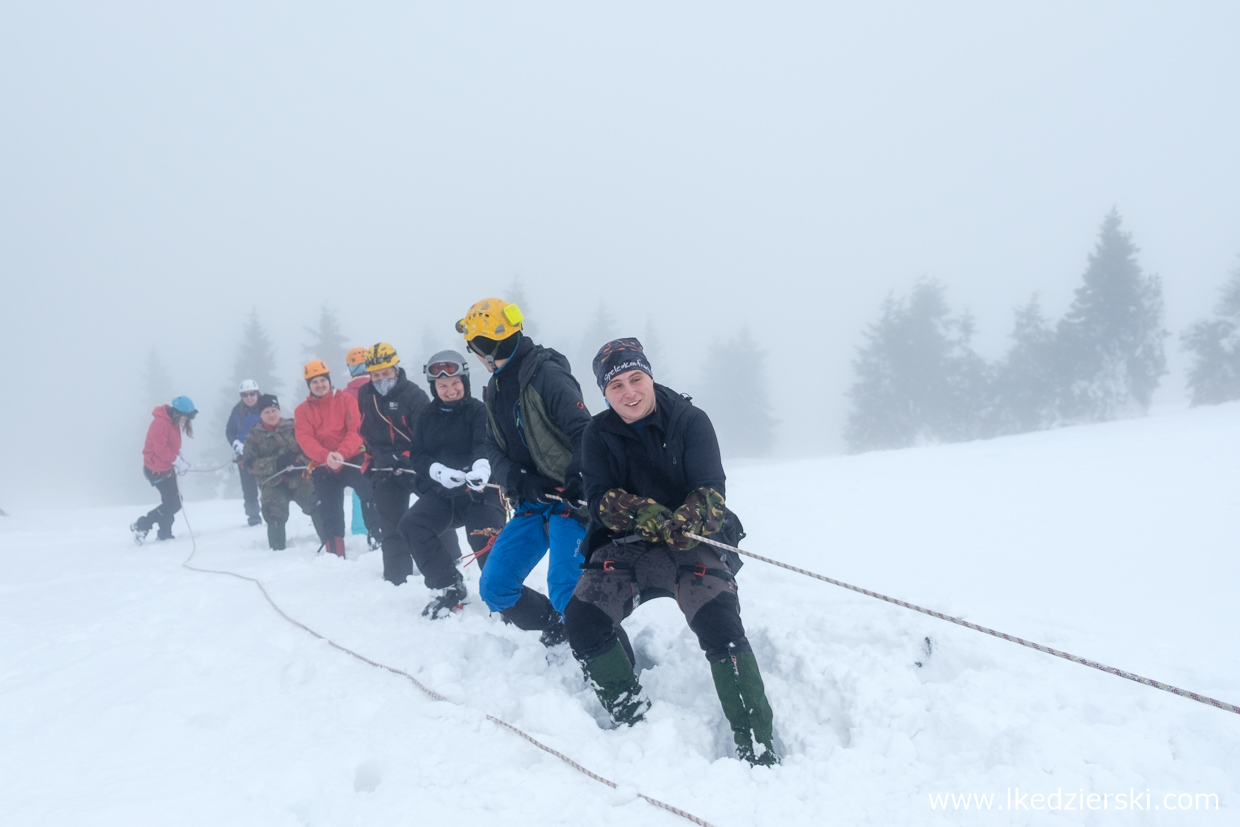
[164,533]
[140,529]
[743,697]
[446,600]
[275,536]
[336,546]
[254,520]
[611,677]
[555,633]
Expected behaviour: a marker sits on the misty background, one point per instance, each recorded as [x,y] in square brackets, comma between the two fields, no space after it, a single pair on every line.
[695,169]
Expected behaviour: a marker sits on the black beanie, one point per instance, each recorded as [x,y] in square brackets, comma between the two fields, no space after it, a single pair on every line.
[267,400]
[619,356]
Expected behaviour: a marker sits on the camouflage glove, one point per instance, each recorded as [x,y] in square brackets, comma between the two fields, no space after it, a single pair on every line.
[621,511]
[702,513]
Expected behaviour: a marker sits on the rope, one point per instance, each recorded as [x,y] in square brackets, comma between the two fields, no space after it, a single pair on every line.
[430,693]
[209,470]
[1110,670]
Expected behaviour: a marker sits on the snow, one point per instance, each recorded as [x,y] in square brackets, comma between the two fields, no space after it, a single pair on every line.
[135,691]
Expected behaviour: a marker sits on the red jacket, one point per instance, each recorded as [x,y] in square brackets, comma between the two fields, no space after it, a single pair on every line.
[163,442]
[355,385]
[328,423]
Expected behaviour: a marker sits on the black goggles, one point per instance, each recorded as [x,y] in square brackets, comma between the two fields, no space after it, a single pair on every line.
[440,370]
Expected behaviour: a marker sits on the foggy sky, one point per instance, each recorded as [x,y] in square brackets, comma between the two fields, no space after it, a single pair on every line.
[695,166]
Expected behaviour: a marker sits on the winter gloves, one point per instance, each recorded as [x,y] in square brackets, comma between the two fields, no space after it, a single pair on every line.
[702,513]
[621,511]
[479,475]
[238,447]
[533,487]
[180,465]
[447,477]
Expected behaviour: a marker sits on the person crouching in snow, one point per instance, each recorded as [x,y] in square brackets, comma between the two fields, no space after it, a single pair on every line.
[536,419]
[243,417]
[270,448]
[326,428]
[448,455]
[162,462]
[653,477]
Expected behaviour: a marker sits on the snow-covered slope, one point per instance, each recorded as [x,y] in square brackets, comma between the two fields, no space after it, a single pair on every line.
[134,691]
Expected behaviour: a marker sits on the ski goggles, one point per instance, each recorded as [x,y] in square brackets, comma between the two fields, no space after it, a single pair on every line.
[443,369]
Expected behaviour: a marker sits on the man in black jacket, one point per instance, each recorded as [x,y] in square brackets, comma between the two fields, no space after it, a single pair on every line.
[536,419]
[653,480]
[452,482]
[390,405]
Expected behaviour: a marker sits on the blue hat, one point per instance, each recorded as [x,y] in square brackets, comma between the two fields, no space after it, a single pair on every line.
[185,405]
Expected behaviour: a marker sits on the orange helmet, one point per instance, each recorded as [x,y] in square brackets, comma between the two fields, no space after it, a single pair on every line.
[492,318]
[356,356]
[315,367]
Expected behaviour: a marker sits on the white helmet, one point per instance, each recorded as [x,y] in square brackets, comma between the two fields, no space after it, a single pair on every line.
[248,386]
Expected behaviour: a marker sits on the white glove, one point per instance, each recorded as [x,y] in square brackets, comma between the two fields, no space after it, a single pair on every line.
[180,465]
[447,477]
[478,476]
[238,447]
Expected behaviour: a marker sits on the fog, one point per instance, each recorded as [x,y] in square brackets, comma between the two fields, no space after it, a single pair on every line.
[696,167]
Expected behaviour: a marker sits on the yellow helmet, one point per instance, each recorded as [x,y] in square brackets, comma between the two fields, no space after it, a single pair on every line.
[313,368]
[492,318]
[381,356]
[356,356]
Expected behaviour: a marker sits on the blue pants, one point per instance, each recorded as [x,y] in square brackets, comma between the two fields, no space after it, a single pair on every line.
[533,529]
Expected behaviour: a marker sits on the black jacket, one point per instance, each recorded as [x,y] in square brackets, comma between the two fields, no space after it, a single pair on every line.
[454,434]
[676,453]
[534,378]
[388,421]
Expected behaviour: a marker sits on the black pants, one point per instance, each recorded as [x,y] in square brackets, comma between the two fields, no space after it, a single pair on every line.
[424,525]
[169,505]
[249,490]
[391,499]
[329,488]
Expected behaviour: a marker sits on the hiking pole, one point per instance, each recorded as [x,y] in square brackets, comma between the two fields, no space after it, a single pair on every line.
[1110,670]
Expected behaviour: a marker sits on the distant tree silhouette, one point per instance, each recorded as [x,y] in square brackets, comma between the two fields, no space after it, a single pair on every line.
[736,395]
[158,381]
[1215,345]
[328,343]
[1110,343]
[1025,385]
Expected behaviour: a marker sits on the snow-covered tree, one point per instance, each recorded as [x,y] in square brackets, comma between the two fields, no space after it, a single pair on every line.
[328,342]
[1110,343]
[1215,345]
[736,396]
[1025,381]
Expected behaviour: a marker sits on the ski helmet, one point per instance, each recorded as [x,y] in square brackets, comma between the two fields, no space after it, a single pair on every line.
[446,363]
[185,406]
[381,356]
[315,367]
[356,360]
[248,386]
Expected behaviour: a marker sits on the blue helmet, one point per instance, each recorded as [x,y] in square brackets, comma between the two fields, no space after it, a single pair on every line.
[185,405]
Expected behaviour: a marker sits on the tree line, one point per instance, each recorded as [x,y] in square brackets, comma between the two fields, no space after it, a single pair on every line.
[917,378]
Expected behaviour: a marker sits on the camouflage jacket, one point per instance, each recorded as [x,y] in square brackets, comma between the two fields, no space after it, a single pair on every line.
[266,452]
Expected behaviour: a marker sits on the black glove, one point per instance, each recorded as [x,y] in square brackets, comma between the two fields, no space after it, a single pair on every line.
[533,488]
[288,461]
[574,491]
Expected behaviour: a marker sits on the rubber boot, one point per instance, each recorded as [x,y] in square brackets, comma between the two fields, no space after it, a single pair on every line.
[275,536]
[743,697]
[336,546]
[612,679]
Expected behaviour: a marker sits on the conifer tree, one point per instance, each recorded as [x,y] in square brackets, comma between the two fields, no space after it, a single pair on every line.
[601,329]
[158,381]
[1110,343]
[1025,382]
[255,359]
[328,343]
[1214,377]
[735,394]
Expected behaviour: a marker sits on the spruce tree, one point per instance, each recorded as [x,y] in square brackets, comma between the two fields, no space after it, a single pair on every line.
[882,415]
[157,379]
[1110,343]
[735,394]
[1214,377]
[600,330]
[328,343]
[1025,382]
[255,359]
